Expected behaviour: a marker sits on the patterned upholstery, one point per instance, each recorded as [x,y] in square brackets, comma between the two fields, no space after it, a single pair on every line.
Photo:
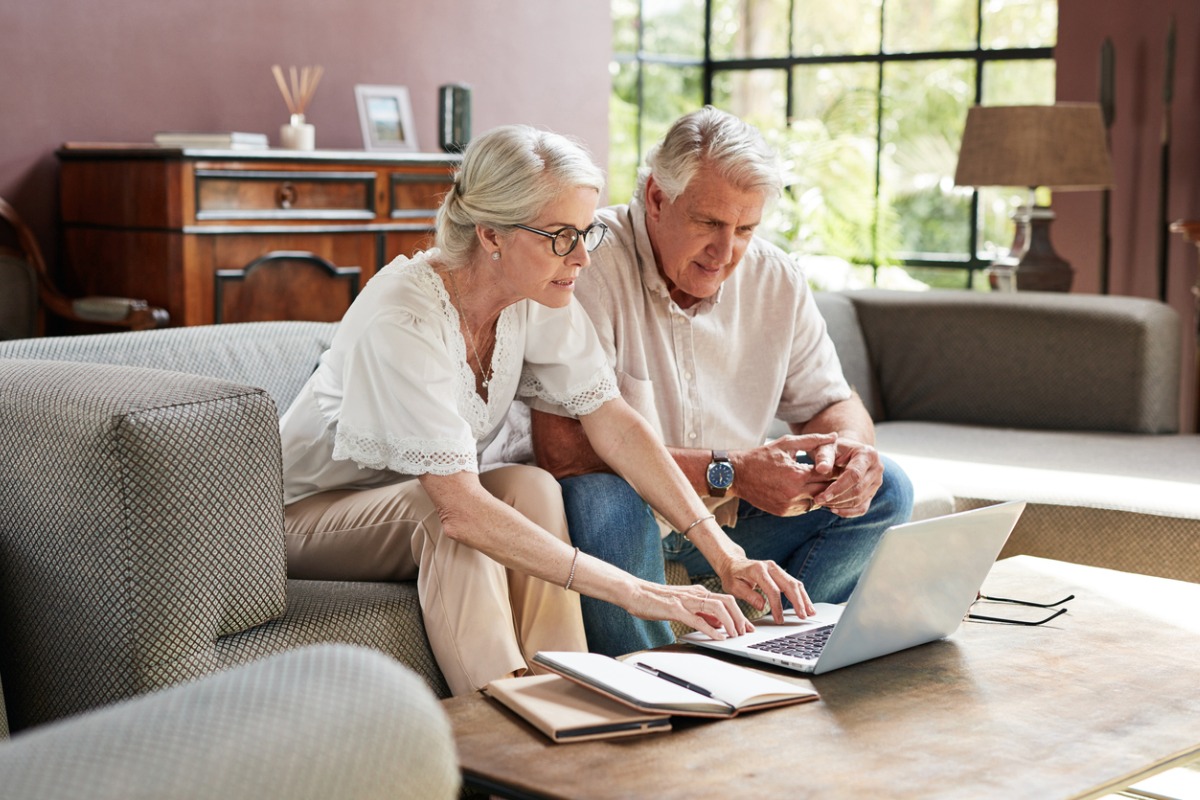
[1148,544]
[276,356]
[383,616]
[3,716]
[155,553]
[322,722]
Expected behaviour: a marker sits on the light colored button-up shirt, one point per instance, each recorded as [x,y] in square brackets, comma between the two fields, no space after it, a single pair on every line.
[394,397]
[716,375]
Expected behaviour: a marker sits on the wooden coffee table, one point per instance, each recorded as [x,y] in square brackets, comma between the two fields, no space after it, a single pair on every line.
[1102,695]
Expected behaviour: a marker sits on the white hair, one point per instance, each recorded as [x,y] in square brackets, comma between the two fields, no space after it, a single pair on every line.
[714,139]
[508,176]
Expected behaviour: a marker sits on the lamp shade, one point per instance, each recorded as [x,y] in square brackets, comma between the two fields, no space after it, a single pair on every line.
[1060,146]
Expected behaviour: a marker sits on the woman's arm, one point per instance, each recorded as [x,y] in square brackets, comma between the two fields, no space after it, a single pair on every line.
[472,516]
[626,442]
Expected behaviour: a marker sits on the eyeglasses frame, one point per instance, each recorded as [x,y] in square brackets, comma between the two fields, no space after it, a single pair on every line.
[580,235]
[1059,612]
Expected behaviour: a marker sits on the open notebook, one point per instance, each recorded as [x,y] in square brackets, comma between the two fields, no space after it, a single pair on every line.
[685,684]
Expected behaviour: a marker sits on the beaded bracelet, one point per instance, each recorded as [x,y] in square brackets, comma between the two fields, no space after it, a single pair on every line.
[571,577]
[705,518]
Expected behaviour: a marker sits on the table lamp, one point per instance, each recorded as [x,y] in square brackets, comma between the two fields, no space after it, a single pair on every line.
[1061,147]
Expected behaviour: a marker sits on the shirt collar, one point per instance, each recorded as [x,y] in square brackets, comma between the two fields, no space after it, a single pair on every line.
[651,278]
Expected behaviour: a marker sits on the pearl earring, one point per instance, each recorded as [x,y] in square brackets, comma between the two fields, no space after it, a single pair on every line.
[495,255]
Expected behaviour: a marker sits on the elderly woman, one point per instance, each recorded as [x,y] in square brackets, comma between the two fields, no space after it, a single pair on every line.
[381,447]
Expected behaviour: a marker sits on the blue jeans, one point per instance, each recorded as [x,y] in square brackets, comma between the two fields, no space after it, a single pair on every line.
[608,520]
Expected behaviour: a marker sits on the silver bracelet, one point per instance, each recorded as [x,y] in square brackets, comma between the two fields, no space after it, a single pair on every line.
[571,577]
[705,518]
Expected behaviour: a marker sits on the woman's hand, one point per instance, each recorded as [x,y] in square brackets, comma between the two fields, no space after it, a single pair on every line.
[745,578]
[715,615]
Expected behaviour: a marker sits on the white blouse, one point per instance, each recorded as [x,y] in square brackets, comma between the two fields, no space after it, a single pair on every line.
[394,397]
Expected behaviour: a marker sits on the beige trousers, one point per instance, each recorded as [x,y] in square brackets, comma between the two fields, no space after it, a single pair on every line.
[483,621]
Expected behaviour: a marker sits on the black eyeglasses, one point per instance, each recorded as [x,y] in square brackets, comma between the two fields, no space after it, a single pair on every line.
[564,240]
[990,599]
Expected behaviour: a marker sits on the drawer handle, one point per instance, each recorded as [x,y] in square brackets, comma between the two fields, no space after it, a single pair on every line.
[285,195]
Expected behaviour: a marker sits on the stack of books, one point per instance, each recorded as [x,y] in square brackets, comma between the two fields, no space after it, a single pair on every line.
[235,140]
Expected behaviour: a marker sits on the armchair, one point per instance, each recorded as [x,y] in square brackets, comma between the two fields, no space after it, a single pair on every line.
[28,292]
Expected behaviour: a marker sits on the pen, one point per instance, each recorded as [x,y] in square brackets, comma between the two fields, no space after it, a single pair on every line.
[666,676]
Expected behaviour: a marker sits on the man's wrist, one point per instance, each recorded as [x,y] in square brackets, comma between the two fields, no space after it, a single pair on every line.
[720,474]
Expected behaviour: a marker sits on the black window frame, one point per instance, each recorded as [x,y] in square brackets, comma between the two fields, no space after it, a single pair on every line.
[711,66]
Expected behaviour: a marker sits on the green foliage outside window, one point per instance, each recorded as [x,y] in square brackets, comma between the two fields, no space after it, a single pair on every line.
[864,100]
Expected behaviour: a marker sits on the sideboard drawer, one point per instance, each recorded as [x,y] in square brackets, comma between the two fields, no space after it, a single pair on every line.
[283,194]
[417,195]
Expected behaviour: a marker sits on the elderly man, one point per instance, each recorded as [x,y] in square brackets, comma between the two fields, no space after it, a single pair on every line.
[714,334]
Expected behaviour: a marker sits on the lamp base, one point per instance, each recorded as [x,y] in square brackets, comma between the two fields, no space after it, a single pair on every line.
[1038,268]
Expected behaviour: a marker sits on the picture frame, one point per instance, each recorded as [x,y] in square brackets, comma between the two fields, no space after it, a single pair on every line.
[385,115]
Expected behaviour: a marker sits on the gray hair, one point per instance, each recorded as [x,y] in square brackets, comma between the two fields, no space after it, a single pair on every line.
[508,176]
[712,138]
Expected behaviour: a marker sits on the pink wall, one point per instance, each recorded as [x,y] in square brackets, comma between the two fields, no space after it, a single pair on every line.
[1139,33]
[122,69]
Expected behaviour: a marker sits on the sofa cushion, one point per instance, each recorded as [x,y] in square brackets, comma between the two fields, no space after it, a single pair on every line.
[841,321]
[321,722]
[382,616]
[1136,473]
[276,356]
[1026,360]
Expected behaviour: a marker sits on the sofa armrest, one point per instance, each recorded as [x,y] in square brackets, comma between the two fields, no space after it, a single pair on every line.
[329,721]
[1026,360]
[142,518]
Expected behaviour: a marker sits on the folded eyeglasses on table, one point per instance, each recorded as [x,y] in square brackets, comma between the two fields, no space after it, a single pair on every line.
[991,599]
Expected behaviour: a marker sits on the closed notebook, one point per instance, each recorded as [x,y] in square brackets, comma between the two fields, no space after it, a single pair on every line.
[687,684]
[567,712]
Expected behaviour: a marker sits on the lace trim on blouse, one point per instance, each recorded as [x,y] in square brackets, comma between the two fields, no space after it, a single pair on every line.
[579,402]
[477,413]
[404,455]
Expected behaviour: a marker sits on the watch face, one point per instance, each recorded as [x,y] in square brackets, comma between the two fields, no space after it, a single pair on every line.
[720,475]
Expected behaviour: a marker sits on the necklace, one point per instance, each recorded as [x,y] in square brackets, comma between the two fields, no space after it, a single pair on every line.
[484,376]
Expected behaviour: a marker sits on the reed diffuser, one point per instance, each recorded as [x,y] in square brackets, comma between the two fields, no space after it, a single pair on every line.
[297,93]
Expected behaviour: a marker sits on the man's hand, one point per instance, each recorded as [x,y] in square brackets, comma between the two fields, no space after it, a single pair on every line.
[771,479]
[858,474]
[843,477]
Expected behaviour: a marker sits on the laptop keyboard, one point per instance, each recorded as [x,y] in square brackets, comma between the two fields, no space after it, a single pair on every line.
[806,644]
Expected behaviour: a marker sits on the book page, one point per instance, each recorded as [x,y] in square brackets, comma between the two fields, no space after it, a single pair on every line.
[738,686]
[628,682]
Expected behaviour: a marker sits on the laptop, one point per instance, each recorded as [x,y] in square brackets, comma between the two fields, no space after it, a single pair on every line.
[917,587]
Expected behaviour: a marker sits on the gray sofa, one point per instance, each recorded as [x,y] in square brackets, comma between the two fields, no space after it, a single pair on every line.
[142,524]
[141,536]
[1068,401]
[319,722]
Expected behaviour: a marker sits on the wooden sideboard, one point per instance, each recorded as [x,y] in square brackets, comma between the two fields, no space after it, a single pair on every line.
[241,235]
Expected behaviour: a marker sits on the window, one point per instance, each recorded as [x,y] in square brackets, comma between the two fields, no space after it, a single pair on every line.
[865,101]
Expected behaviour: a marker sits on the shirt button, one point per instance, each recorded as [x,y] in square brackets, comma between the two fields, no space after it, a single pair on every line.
[687,376]
[692,435]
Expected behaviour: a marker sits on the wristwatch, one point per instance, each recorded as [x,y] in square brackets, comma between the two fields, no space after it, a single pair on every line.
[720,474]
